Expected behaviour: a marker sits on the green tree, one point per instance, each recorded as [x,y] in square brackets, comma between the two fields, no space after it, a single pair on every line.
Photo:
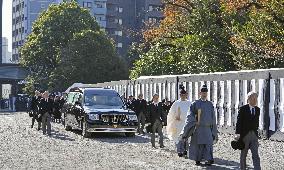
[198,41]
[257,33]
[44,52]
[93,60]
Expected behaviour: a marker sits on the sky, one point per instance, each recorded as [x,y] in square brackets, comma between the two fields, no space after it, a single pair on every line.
[7,22]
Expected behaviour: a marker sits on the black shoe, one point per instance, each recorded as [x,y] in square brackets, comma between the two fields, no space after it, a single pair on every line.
[180,155]
[197,163]
[162,146]
[154,147]
[209,163]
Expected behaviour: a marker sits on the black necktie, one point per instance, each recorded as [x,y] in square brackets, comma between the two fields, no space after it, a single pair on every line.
[253,111]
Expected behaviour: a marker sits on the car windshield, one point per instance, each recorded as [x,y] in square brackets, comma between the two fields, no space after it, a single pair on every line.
[103,100]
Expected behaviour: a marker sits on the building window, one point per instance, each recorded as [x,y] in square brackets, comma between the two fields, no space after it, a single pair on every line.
[119,45]
[87,4]
[119,9]
[99,5]
[118,21]
[119,33]
[152,20]
[155,8]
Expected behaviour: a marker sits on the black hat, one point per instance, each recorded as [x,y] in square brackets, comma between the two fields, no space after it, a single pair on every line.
[204,88]
[239,144]
[182,91]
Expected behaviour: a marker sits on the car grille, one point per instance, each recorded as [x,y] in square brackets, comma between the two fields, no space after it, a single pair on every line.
[113,118]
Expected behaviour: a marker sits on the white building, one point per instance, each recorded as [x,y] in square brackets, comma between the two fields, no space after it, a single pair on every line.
[6,54]
[24,13]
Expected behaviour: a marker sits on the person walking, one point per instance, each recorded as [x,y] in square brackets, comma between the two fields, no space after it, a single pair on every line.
[201,126]
[176,117]
[247,130]
[46,107]
[35,108]
[157,120]
[140,107]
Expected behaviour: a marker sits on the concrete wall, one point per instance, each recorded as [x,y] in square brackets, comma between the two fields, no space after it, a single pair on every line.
[228,91]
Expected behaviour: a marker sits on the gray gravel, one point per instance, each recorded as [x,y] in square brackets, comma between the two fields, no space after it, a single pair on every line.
[26,148]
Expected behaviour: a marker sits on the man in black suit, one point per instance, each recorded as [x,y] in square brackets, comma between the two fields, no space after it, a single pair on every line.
[140,107]
[157,119]
[247,130]
[130,103]
[34,108]
[45,109]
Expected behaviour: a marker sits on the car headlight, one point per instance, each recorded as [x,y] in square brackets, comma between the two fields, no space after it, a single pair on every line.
[94,117]
[132,117]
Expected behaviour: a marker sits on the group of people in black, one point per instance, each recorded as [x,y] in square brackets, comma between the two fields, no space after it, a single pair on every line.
[153,112]
[45,108]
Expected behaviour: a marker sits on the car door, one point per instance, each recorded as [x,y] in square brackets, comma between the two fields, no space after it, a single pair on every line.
[77,110]
[68,112]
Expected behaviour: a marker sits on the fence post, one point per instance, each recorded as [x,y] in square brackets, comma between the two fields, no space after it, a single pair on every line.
[266,107]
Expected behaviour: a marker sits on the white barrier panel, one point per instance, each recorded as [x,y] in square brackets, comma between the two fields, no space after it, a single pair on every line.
[184,85]
[281,105]
[190,91]
[209,90]
[261,86]
[151,90]
[196,91]
[143,90]
[253,88]
[244,92]
[164,90]
[221,104]
[155,89]
[160,90]
[271,105]
[169,91]
[215,98]
[147,97]
[237,100]
[173,90]
[229,103]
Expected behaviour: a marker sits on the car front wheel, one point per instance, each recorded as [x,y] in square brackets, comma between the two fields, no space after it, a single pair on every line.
[85,133]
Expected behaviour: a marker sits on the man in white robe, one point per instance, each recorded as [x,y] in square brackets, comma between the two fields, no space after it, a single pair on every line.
[177,116]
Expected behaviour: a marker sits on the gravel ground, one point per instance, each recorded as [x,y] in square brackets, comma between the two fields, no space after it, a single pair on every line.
[26,148]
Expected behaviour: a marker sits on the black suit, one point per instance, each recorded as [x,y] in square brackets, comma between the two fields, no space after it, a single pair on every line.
[247,127]
[246,121]
[34,108]
[45,106]
[156,118]
[45,109]
[140,106]
[130,104]
[156,113]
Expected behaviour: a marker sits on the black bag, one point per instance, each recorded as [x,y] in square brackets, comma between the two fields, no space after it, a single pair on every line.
[238,144]
[31,114]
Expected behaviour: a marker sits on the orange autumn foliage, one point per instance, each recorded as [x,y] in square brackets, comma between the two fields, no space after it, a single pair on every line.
[169,26]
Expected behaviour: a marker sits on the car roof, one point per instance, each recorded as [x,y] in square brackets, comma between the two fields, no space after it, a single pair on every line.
[83,89]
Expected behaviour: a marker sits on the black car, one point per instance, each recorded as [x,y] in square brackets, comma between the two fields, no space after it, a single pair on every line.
[98,110]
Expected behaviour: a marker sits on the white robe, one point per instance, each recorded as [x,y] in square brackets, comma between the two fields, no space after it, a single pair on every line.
[174,126]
